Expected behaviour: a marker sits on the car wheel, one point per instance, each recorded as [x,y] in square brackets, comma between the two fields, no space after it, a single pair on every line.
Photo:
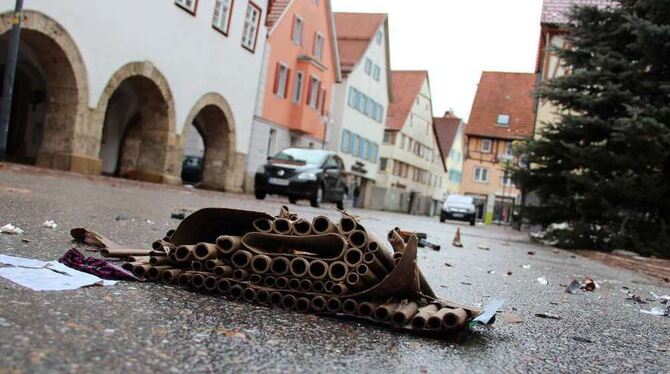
[340,204]
[472,223]
[260,195]
[316,200]
[292,200]
[442,217]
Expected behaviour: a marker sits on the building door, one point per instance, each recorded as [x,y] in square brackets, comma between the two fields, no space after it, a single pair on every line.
[502,210]
[480,207]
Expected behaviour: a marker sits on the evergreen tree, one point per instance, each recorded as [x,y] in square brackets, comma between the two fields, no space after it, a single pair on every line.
[604,165]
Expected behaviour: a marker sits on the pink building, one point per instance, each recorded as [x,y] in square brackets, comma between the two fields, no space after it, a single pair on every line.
[300,69]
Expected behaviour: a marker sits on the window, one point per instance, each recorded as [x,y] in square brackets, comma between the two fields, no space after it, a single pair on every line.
[379,37]
[188,5]
[373,150]
[363,103]
[383,163]
[508,150]
[503,120]
[402,140]
[297,89]
[362,148]
[481,174]
[355,144]
[221,18]
[352,97]
[486,145]
[506,180]
[296,33]
[318,46]
[376,73]
[368,66]
[314,89]
[281,80]
[346,138]
[250,31]
[389,137]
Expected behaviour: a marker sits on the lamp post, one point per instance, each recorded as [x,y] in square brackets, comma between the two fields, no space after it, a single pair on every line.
[10,72]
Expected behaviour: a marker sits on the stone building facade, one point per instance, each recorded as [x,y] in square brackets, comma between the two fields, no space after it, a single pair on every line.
[96,95]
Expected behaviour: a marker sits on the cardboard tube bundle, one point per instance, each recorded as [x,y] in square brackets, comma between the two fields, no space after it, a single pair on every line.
[318,266]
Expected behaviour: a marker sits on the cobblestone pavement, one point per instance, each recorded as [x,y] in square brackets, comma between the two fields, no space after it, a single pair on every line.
[147,327]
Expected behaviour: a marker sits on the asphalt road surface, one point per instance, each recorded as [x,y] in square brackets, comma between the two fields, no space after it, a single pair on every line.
[146,327]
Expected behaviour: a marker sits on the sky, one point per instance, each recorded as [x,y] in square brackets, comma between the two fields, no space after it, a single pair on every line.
[455,40]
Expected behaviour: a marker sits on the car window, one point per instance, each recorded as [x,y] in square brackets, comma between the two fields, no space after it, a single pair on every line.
[340,163]
[308,156]
[331,163]
[459,199]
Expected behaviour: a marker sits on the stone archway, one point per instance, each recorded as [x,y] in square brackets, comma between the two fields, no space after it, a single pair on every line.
[213,119]
[136,136]
[49,120]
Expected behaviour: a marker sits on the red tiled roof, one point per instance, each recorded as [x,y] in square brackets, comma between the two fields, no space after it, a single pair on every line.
[445,132]
[556,11]
[355,31]
[503,93]
[276,9]
[405,87]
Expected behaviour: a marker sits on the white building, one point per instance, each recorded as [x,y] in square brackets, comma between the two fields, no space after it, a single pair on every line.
[411,168]
[361,99]
[112,86]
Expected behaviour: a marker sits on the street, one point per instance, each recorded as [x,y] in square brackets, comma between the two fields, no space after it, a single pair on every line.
[147,327]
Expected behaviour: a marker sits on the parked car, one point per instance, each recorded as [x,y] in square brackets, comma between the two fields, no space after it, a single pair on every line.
[191,169]
[300,173]
[459,207]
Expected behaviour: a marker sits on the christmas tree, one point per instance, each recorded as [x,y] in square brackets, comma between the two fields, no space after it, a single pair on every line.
[604,166]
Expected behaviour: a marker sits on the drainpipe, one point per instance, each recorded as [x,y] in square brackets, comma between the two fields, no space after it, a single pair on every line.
[10,72]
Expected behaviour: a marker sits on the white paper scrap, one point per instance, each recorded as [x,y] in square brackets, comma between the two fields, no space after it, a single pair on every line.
[46,276]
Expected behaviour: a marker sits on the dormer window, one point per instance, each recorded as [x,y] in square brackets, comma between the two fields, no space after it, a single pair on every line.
[379,37]
[502,120]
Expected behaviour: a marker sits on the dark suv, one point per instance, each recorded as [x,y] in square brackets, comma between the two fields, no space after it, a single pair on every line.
[300,173]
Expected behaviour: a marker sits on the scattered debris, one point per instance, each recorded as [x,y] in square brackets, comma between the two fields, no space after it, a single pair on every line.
[509,274]
[50,224]
[656,311]
[100,268]
[636,299]
[491,271]
[525,266]
[151,222]
[548,315]
[422,236]
[663,348]
[180,214]
[457,239]
[14,190]
[542,281]
[488,314]
[122,217]
[11,229]
[448,265]
[556,251]
[531,253]
[581,339]
[588,284]
[484,247]
[574,287]
[41,275]
[466,283]
[26,240]
[664,299]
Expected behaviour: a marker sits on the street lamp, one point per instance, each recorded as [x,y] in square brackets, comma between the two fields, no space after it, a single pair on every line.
[10,72]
